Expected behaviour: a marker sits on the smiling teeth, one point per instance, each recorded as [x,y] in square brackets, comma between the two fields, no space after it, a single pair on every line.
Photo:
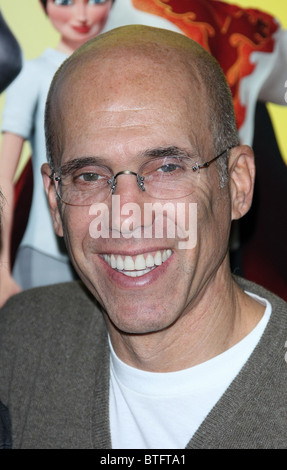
[138,265]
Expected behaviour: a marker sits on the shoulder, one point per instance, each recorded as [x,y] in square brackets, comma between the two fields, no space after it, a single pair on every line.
[261,291]
[277,326]
[42,295]
[27,83]
[29,66]
[37,70]
[45,310]
[53,345]
[50,59]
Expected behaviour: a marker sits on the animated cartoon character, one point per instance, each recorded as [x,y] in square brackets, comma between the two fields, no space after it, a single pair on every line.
[40,258]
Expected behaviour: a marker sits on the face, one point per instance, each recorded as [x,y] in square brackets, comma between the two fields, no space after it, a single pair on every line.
[132,114]
[77,21]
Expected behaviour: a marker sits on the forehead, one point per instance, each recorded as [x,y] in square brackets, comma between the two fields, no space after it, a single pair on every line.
[126,102]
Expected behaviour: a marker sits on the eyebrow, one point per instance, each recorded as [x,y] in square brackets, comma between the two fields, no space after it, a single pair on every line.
[171,151]
[81,162]
[157,152]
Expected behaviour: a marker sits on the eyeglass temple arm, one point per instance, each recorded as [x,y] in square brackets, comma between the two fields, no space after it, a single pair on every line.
[197,167]
[53,176]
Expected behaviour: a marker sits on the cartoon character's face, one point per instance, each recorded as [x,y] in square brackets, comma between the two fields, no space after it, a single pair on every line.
[77,21]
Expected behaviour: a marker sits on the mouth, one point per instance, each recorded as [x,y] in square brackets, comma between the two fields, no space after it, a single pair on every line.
[139,265]
[82,29]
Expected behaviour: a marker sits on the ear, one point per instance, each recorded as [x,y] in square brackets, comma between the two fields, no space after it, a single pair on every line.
[52,199]
[242,175]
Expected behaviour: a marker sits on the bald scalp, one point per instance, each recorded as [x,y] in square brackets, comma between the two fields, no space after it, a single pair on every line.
[134,40]
[128,46]
[185,61]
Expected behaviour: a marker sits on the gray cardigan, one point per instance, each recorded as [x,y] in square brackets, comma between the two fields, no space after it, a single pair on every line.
[54,377]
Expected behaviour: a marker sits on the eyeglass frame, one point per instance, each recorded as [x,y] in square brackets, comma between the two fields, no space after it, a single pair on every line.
[140,179]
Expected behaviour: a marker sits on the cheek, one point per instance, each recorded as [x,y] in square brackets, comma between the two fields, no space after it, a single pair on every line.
[212,206]
[98,15]
[58,16]
[213,218]
[186,225]
[76,221]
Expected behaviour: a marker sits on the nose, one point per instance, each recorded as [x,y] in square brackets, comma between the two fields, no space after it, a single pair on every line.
[129,185]
[139,179]
[128,203]
[81,13]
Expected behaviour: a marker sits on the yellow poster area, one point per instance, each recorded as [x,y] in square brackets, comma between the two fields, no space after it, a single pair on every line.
[35,33]
[277,8]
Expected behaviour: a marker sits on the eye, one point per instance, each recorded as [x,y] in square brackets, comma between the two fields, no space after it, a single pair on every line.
[89,177]
[161,167]
[169,168]
[63,2]
[97,2]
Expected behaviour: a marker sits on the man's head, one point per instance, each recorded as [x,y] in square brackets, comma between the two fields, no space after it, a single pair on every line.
[119,102]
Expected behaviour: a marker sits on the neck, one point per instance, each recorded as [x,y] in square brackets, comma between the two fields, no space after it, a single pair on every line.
[206,329]
[67,47]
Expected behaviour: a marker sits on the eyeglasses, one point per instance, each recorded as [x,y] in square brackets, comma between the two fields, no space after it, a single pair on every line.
[83,182]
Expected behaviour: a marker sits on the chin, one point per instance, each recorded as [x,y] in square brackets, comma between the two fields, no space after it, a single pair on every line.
[132,319]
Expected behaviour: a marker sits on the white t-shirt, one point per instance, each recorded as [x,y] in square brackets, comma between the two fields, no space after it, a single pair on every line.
[163,410]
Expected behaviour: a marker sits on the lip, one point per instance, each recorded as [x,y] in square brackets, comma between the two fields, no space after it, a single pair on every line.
[82,29]
[127,282]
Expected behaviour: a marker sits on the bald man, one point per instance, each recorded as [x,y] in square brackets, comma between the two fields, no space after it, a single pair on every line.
[159,346]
